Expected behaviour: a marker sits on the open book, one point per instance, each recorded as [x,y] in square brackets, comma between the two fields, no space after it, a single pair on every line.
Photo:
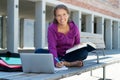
[79,46]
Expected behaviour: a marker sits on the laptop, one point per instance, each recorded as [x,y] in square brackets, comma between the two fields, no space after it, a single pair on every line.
[37,63]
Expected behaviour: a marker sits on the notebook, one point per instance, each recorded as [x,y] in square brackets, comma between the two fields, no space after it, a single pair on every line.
[38,63]
[11,60]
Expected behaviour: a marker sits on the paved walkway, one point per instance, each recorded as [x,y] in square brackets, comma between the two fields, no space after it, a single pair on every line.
[112,73]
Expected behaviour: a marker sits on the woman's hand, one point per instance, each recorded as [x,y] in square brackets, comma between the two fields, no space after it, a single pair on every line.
[60,64]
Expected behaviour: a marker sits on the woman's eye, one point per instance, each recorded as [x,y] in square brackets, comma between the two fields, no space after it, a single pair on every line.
[64,14]
[58,16]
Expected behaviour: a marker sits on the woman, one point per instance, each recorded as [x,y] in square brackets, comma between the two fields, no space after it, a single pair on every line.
[62,35]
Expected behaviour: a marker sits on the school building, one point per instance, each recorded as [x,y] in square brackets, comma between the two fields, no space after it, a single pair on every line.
[24,23]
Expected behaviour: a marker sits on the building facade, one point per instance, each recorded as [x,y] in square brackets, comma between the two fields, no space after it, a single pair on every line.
[24,23]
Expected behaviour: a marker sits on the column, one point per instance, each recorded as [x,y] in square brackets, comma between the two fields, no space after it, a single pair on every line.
[115,35]
[0,31]
[119,35]
[89,23]
[4,32]
[21,45]
[100,25]
[12,25]
[108,34]
[40,7]
[76,16]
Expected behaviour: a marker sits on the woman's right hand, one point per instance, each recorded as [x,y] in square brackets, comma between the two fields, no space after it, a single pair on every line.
[60,64]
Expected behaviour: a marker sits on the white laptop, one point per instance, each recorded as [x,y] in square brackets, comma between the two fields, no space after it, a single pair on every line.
[38,63]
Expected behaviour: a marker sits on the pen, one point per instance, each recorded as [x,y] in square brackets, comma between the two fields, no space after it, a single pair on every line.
[57,60]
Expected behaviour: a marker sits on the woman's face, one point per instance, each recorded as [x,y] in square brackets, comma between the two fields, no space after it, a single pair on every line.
[62,16]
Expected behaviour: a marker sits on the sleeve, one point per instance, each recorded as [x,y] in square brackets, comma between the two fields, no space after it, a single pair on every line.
[52,43]
[77,36]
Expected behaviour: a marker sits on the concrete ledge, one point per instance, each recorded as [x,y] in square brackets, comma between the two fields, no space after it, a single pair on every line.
[89,64]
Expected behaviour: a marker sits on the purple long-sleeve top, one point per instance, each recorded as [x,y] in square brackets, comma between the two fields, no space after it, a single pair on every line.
[58,42]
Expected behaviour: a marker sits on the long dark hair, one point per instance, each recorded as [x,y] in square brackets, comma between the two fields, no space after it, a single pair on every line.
[60,6]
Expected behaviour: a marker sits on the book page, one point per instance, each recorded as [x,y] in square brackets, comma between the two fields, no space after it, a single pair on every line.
[91,44]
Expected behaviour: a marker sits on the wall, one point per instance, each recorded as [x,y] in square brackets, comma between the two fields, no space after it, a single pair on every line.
[107,7]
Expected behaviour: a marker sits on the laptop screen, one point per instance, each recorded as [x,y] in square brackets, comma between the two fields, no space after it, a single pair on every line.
[11,60]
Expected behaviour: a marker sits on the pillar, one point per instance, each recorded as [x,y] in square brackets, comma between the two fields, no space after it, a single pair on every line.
[40,7]
[115,35]
[100,25]
[89,23]
[4,32]
[12,25]
[108,34]
[76,17]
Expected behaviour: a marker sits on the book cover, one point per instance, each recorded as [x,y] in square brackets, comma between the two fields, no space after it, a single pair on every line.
[79,46]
